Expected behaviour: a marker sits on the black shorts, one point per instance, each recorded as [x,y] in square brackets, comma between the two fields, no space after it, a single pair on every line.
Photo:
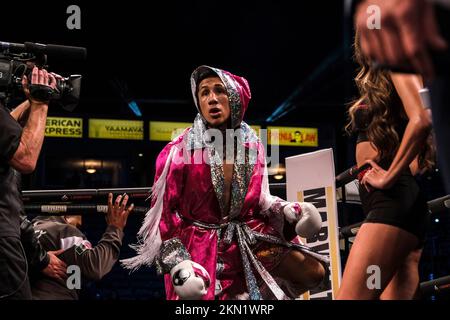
[402,206]
[14,283]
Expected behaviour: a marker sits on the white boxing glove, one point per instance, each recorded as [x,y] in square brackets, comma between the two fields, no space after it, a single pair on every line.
[190,280]
[306,216]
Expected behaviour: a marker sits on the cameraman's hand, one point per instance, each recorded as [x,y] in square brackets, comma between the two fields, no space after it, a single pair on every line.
[118,213]
[57,77]
[42,78]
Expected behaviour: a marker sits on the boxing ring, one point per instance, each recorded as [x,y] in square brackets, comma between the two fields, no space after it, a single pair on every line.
[93,201]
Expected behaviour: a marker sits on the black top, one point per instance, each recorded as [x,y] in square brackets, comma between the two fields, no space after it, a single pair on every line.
[11,206]
[363,120]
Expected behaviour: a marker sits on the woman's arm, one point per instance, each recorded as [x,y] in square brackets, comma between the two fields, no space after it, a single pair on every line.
[414,137]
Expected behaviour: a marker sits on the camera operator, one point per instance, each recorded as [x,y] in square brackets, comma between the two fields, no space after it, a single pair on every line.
[19,151]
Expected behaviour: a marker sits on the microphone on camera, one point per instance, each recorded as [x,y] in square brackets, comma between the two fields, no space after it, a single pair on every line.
[67,52]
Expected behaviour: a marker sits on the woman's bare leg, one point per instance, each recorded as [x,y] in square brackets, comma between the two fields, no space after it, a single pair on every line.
[405,283]
[380,245]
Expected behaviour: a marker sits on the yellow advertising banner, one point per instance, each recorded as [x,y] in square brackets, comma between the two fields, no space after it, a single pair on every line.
[257,129]
[294,137]
[116,129]
[167,131]
[64,127]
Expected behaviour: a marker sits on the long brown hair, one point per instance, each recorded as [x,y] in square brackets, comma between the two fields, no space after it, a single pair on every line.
[384,111]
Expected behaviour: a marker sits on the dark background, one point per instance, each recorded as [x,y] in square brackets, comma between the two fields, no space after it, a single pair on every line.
[293,53]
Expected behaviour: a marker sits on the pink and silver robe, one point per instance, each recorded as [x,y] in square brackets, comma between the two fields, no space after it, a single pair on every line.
[187,203]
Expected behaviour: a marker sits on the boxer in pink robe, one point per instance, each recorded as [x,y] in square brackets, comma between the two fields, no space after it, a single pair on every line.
[222,211]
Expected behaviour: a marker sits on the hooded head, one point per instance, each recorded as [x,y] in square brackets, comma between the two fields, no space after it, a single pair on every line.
[213,110]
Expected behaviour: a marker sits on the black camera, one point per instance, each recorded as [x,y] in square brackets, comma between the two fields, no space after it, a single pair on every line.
[18,60]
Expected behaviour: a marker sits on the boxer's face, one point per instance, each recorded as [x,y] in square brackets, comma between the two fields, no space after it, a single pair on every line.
[214,103]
